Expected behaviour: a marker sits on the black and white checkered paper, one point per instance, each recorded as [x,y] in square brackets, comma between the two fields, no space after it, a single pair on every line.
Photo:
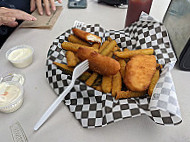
[96,109]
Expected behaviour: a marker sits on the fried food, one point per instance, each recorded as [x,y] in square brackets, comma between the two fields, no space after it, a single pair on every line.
[129,94]
[123,65]
[99,88]
[86,36]
[129,54]
[69,70]
[92,78]
[153,82]
[104,45]
[75,39]
[74,46]
[96,45]
[159,66]
[126,49]
[116,83]
[72,59]
[84,53]
[101,64]
[106,84]
[108,48]
[139,72]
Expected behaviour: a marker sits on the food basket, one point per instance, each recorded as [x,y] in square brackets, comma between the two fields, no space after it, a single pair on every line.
[93,108]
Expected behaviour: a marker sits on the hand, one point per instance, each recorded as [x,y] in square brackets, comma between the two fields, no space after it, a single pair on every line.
[9,16]
[47,4]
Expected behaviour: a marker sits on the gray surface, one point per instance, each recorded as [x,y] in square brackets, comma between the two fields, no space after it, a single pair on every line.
[62,126]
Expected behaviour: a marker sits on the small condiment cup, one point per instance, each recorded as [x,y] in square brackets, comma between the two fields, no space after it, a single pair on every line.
[21,63]
[16,103]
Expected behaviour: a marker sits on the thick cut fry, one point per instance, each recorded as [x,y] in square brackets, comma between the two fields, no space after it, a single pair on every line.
[96,45]
[159,66]
[75,39]
[106,84]
[74,46]
[116,83]
[63,66]
[129,94]
[68,70]
[72,60]
[129,54]
[122,70]
[126,49]
[116,48]
[98,81]
[109,38]
[99,88]
[92,78]
[153,82]
[110,54]
[104,45]
[108,48]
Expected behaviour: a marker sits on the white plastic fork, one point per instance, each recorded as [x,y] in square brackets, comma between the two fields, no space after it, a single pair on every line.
[78,71]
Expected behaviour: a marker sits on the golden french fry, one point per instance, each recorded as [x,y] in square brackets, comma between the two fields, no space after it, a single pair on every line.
[104,45]
[75,39]
[116,83]
[63,66]
[129,94]
[71,59]
[96,45]
[110,54]
[109,38]
[92,78]
[159,66]
[116,48]
[99,88]
[106,84]
[126,49]
[108,48]
[129,54]
[74,46]
[153,82]
[98,81]
[69,70]
[122,69]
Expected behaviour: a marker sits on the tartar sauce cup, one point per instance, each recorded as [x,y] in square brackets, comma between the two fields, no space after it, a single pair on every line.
[13,104]
[20,56]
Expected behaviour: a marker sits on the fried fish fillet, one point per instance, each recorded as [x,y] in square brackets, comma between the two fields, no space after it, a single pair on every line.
[103,65]
[139,72]
[86,36]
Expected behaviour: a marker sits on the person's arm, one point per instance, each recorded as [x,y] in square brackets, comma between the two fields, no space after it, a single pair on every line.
[48,4]
[9,16]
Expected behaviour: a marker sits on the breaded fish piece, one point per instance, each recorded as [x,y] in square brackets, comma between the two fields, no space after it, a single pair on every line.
[103,65]
[139,72]
[86,36]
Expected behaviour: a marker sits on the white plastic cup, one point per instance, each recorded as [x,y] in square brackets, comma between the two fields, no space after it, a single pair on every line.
[24,62]
[16,103]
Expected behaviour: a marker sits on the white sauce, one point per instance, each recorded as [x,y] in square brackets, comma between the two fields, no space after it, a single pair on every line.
[8,93]
[19,78]
[20,54]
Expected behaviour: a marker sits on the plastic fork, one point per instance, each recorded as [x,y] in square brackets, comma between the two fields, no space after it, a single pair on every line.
[78,71]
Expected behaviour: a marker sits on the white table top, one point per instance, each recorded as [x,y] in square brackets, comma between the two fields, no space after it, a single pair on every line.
[62,126]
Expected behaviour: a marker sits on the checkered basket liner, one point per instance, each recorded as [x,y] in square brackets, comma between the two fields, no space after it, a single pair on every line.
[93,108]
